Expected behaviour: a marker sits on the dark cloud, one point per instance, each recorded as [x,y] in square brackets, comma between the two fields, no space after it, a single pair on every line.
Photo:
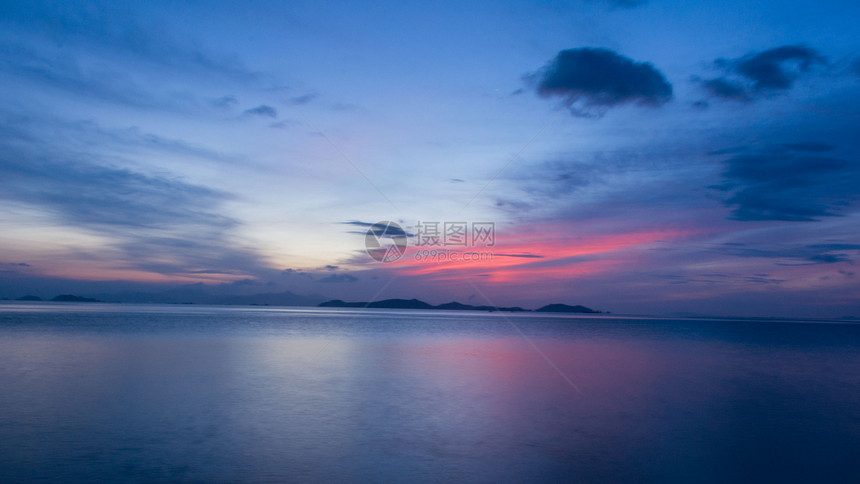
[777,68]
[789,186]
[380,229]
[262,110]
[339,278]
[754,75]
[598,79]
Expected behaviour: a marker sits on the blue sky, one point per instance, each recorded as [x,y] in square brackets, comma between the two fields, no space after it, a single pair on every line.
[647,157]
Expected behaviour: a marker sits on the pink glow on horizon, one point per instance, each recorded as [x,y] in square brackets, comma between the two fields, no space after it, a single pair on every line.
[551,264]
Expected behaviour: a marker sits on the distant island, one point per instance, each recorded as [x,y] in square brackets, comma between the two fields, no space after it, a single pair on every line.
[564,308]
[451,306]
[73,298]
[290,299]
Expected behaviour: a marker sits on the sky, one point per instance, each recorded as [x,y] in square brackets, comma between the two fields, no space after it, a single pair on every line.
[649,157]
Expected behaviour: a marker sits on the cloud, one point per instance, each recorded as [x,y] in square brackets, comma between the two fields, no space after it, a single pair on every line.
[788,186]
[159,222]
[105,52]
[600,79]
[224,102]
[87,135]
[813,254]
[298,272]
[758,74]
[777,68]
[62,72]
[114,29]
[726,89]
[304,98]
[89,194]
[339,278]
[524,256]
[133,137]
[380,229]
[262,110]
[13,267]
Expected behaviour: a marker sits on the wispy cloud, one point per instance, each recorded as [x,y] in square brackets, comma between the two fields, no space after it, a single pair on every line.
[380,229]
[111,27]
[160,222]
[263,110]
[789,183]
[339,278]
[812,254]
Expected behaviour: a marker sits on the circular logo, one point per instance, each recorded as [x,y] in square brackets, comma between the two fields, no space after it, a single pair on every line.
[385,241]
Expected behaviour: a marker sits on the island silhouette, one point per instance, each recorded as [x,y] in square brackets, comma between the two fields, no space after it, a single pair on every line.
[452,306]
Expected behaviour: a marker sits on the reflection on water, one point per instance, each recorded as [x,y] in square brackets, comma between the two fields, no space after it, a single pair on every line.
[142,393]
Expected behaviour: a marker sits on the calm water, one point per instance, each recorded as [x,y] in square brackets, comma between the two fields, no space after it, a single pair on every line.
[98,392]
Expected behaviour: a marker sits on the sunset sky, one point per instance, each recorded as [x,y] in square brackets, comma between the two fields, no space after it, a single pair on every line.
[649,157]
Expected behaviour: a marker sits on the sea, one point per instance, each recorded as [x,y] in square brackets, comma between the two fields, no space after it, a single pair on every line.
[185,393]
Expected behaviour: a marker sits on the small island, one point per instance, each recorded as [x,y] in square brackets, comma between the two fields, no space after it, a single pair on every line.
[564,308]
[73,298]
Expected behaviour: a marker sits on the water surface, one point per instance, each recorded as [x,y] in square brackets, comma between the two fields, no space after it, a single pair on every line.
[101,392]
